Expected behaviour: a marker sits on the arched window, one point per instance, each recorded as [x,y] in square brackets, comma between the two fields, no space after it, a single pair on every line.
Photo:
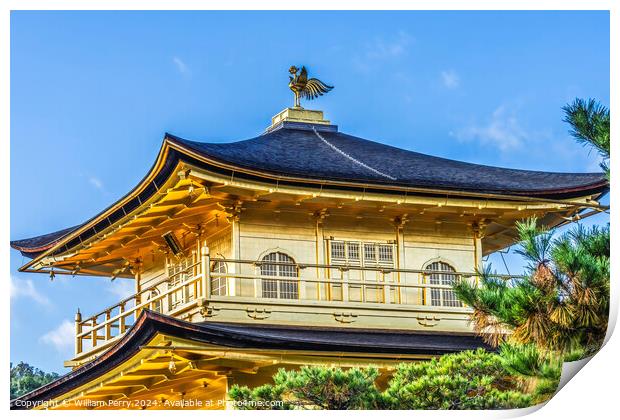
[218,283]
[278,264]
[443,297]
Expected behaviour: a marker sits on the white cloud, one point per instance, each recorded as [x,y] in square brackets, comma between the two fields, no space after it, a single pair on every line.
[181,66]
[502,130]
[96,182]
[62,337]
[26,289]
[450,79]
[121,288]
[381,49]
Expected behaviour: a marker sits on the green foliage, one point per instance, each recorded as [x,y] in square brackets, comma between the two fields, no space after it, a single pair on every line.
[469,364]
[561,304]
[459,381]
[538,372]
[314,387]
[264,397]
[527,361]
[590,122]
[456,393]
[26,378]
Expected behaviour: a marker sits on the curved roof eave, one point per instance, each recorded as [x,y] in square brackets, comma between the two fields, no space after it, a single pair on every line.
[175,149]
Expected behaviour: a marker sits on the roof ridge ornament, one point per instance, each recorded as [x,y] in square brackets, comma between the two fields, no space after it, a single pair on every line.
[305,88]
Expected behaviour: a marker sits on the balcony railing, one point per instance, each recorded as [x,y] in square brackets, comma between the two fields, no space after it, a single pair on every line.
[247,279]
[111,323]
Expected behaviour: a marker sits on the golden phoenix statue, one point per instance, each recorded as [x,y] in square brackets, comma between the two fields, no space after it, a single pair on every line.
[305,88]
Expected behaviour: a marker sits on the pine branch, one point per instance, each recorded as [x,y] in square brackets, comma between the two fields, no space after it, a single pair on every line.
[590,122]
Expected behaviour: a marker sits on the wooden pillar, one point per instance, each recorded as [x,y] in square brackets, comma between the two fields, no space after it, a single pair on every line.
[236,252]
[319,218]
[136,270]
[234,215]
[78,331]
[205,262]
[317,258]
[477,253]
[328,271]
[478,234]
[399,223]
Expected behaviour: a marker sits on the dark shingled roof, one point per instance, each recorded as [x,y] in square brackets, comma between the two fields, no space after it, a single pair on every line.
[332,155]
[312,153]
[240,336]
[41,243]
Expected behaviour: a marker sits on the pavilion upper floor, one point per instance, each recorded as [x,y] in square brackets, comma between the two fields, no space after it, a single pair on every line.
[362,240]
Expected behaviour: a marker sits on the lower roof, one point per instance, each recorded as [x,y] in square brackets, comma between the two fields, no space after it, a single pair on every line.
[245,336]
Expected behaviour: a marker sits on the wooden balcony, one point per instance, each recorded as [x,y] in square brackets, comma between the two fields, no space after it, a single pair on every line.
[340,290]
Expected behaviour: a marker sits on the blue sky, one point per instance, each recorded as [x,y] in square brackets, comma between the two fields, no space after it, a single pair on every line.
[92,94]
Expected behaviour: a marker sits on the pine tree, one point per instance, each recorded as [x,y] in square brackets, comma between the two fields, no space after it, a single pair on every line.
[313,387]
[590,122]
[469,380]
[538,372]
[459,381]
[561,304]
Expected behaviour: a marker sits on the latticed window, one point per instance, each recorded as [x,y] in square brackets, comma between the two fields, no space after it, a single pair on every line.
[445,277]
[353,252]
[370,252]
[364,261]
[178,272]
[386,254]
[218,283]
[278,264]
[366,254]
[338,252]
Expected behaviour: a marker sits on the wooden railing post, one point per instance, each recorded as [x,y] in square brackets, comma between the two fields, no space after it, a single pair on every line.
[302,286]
[121,319]
[136,269]
[78,332]
[108,327]
[386,288]
[424,290]
[205,263]
[93,332]
[257,285]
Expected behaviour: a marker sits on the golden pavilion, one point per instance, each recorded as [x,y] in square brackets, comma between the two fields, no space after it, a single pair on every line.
[301,246]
